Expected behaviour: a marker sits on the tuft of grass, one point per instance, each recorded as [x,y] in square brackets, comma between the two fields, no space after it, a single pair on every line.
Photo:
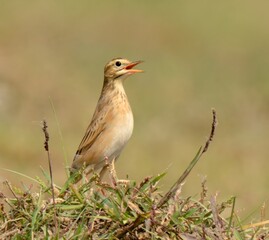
[124,209]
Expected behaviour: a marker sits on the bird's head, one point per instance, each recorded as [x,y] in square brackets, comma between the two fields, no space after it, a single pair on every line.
[120,69]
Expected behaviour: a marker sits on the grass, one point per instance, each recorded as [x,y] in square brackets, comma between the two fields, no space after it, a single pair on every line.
[124,209]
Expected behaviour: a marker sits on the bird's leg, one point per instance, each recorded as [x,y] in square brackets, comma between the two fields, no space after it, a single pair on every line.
[103,172]
[112,172]
[87,172]
[114,175]
[104,169]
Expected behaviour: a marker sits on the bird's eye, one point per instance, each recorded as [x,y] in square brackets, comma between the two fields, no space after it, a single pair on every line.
[118,63]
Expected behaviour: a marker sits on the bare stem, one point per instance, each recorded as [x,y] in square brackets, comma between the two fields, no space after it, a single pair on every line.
[46,146]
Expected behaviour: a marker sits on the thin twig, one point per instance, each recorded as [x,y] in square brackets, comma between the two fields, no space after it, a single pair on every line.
[11,190]
[6,235]
[46,146]
[204,191]
[128,228]
[217,220]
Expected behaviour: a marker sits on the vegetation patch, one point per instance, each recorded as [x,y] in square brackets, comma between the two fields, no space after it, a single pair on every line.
[124,209]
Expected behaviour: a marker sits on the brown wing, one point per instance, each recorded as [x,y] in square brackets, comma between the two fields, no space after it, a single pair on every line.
[95,129]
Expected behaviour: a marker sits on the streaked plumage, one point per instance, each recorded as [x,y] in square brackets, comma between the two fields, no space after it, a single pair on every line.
[112,123]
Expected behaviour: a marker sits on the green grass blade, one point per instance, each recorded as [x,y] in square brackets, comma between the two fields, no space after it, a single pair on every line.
[61,137]
[20,174]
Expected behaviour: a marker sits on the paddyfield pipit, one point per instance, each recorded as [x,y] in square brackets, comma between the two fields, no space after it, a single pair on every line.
[112,123]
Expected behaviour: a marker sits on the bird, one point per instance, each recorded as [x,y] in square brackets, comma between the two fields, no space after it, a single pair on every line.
[112,122]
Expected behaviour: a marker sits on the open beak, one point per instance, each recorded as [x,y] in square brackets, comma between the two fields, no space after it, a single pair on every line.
[130,66]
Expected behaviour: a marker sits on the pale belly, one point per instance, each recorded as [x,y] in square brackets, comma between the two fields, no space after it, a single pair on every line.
[120,133]
[118,125]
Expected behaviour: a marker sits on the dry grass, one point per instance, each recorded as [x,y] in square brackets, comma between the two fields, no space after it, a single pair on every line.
[123,209]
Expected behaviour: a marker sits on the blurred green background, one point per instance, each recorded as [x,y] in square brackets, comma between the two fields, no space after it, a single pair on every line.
[198,55]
